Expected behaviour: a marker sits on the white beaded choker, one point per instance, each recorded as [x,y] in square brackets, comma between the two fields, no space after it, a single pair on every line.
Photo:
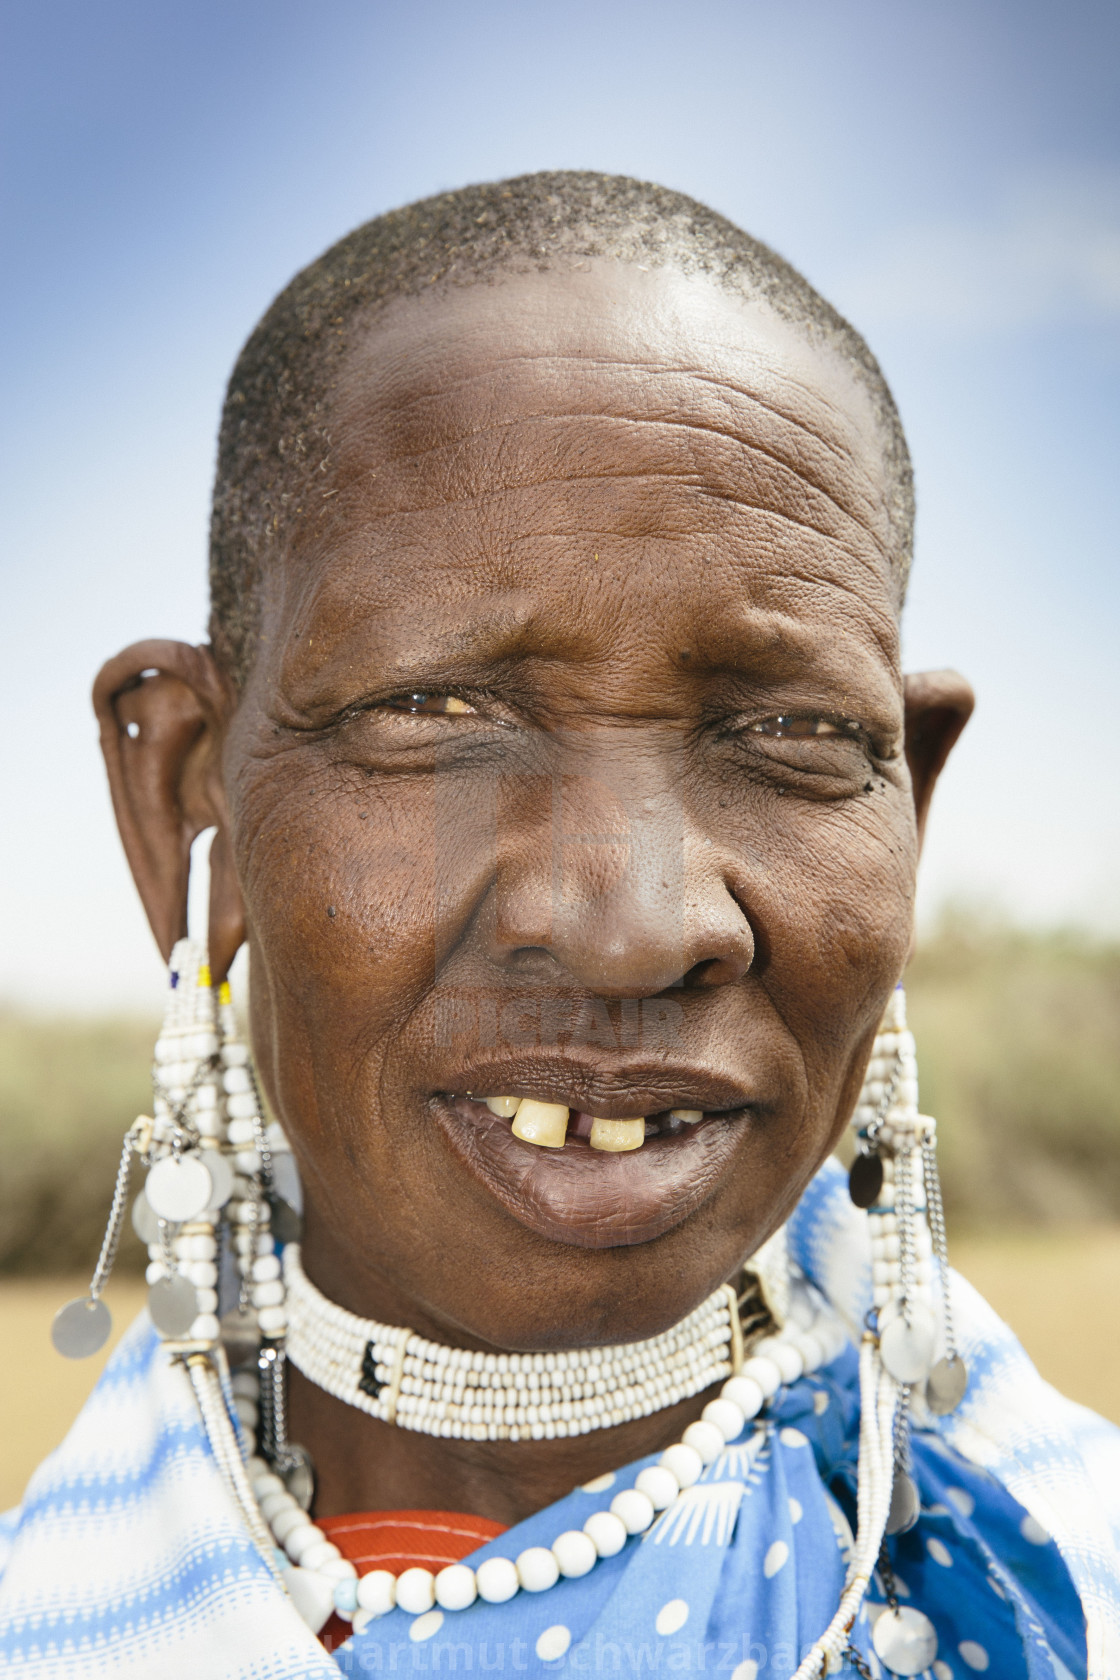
[399,1377]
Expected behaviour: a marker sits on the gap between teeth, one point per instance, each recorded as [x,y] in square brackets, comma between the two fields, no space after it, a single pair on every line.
[546,1124]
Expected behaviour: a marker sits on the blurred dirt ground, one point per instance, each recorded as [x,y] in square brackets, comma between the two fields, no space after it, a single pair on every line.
[1058,1290]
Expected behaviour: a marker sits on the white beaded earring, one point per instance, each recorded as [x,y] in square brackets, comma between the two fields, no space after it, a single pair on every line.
[189,1179]
[262,1218]
[212,1182]
[894,1176]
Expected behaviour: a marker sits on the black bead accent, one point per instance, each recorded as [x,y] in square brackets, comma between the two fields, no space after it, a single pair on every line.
[368,1382]
[865,1180]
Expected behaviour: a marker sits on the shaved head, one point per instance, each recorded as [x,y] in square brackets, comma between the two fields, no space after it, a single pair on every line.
[276,432]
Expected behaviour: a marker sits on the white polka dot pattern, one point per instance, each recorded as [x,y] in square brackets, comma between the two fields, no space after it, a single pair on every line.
[775,1558]
[425,1626]
[553,1643]
[671,1617]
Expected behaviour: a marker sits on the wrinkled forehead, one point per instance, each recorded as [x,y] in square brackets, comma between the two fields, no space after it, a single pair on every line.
[487,441]
[481,377]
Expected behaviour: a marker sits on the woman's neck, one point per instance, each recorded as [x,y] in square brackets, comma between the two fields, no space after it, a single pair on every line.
[362,1464]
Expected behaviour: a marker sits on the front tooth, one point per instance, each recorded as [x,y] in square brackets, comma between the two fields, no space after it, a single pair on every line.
[618,1135]
[690,1116]
[541,1123]
[504,1107]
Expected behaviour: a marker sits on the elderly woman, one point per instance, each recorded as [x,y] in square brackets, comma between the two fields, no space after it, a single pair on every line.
[568,796]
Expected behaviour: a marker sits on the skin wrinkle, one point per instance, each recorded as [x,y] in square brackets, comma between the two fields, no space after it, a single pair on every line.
[750,448]
[720,497]
[788,528]
[390,365]
[882,614]
[612,840]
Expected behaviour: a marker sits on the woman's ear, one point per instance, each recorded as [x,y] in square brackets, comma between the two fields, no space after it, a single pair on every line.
[163,708]
[938,705]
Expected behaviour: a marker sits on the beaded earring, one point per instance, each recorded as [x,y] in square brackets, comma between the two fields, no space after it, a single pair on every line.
[220,1186]
[894,1177]
[189,1178]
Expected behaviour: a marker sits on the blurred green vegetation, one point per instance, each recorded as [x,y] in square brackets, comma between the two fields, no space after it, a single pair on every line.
[1018,1051]
[1019,1061]
[69,1089]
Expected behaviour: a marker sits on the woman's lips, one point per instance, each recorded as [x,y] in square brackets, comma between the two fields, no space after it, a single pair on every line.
[585,1197]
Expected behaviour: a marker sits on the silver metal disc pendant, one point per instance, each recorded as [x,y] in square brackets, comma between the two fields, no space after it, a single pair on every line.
[298,1475]
[173,1304]
[947,1383]
[144,1221]
[179,1187]
[904,1640]
[906,1505]
[221,1179]
[906,1347]
[81,1327]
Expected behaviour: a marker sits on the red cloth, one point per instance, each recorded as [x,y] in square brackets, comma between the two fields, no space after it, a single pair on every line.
[400,1540]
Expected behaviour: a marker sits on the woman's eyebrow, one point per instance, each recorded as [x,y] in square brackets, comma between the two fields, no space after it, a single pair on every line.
[398,650]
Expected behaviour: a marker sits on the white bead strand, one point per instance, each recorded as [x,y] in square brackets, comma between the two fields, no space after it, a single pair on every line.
[401,1378]
[189,1128]
[573,1553]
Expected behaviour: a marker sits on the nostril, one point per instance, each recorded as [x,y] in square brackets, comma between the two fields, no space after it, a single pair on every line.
[718,971]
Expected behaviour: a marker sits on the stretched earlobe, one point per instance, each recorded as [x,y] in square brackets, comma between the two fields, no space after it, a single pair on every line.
[162,708]
[938,705]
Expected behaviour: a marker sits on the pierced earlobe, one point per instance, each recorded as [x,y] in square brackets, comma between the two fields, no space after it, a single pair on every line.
[162,708]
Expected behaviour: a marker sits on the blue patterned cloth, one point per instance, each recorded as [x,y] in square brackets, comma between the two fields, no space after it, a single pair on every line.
[127,1559]
[746,1570]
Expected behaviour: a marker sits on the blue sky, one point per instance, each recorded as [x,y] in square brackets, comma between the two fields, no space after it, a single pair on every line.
[949,176]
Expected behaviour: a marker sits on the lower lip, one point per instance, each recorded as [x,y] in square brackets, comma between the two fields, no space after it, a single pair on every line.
[589,1198]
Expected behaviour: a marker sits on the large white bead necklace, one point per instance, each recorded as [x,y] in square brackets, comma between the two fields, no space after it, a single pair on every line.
[397,1376]
[321,1579]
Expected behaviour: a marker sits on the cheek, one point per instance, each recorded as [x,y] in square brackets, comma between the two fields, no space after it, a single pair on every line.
[338,882]
[341,896]
[833,905]
[337,996]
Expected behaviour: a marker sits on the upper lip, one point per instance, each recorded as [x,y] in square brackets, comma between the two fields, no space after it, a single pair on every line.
[614,1090]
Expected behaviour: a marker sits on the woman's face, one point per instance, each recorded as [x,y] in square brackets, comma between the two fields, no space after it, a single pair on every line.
[570,767]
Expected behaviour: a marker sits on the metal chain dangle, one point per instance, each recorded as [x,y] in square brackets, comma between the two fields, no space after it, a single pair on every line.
[905,1640]
[947,1382]
[82,1326]
[284,1458]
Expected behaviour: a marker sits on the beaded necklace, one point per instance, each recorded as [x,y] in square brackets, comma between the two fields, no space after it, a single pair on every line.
[213,1162]
[322,1580]
[400,1378]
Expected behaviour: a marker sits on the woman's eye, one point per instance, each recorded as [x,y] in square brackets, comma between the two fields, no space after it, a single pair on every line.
[790,727]
[427,705]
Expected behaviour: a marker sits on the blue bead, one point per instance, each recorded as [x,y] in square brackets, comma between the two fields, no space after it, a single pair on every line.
[346,1595]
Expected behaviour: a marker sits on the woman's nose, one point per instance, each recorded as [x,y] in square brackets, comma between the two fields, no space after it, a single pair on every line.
[617,888]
